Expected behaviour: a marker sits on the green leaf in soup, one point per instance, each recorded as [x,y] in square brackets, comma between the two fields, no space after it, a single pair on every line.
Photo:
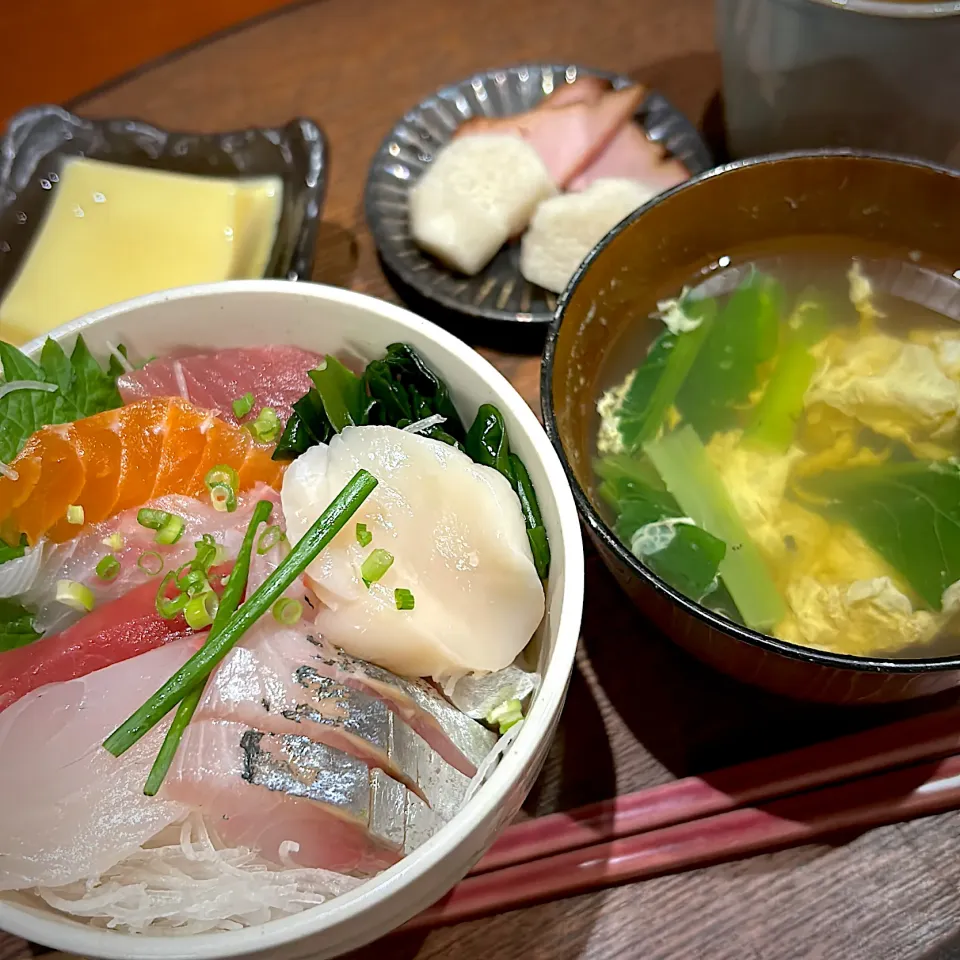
[652,526]
[726,369]
[16,626]
[908,512]
[343,394]
[13,552]
[682,461]
[658,379]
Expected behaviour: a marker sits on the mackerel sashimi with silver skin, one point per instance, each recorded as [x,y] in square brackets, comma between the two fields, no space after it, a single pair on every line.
[227,703]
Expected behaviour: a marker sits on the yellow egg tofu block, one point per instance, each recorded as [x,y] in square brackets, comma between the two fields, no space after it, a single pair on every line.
[114,232]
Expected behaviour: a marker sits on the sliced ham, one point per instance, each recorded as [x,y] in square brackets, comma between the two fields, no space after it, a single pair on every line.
[584,89]
[275,375]
[568,137]
[631,155]
[70,809]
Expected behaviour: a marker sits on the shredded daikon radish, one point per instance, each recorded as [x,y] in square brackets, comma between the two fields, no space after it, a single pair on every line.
[13,385]
[120,358]
[418,426]
[181,380]
[192,884]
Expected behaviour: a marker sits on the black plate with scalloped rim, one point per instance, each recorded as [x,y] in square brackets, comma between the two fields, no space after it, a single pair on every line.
[498,296]
[39,138]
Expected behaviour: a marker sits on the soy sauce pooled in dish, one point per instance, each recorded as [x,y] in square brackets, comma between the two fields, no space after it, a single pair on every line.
[113,232]
[785,449]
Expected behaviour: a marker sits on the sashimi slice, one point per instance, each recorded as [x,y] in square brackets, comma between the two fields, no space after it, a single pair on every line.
[117,631]
[70,809]
[75,471]
[460,740]
[77,559]
[265,790]
[275,375]
[568,137]
[270,685]
[631,155]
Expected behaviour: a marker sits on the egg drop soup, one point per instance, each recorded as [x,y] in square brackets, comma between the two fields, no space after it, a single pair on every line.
[784,450]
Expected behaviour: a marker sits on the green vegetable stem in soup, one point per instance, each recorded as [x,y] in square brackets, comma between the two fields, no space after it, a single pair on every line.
[779,442]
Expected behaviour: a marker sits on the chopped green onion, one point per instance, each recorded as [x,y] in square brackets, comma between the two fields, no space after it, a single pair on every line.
[108,567]
[269,539]
[234,584]
[114,541]
[75,514]
[152,519]
[287,611]
[243,405]
[171,531]
[169,607]
[200,610]
[75,595]
[193,583]
[364,536]
[222,475]
[195,671]
[223,498]
[151,563]
[506,715]
[375,566]
[403,598]
[266,428]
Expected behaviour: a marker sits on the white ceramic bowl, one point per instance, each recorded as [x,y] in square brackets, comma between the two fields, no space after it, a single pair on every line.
[327,319]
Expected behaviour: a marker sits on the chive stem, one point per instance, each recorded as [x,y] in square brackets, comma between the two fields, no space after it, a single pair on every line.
[229,601]
[202,663]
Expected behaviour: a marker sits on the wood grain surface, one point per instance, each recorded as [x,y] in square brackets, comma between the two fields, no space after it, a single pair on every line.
[639,711]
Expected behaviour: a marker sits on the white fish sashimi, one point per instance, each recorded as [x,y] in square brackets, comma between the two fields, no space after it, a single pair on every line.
[77,559]
[68,809]
[457,536]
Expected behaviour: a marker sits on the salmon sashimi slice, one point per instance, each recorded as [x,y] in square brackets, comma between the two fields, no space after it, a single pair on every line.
[268,684]
[263,790]
[569,137]
[58,486]
[139,461]
[77,559]
[117,631]
[79,465]
[70,809]
[275,376]
[631,155]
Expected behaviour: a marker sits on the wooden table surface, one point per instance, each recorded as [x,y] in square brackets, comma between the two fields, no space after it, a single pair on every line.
[639,711]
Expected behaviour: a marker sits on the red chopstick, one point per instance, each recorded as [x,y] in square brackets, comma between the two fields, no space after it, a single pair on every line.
[916,790]
[907,741]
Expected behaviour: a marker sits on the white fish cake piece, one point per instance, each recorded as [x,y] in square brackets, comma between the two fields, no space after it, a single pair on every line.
[566,228]
[459,544]
[477,193]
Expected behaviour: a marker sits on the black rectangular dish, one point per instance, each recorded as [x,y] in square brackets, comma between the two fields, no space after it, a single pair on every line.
[39,138]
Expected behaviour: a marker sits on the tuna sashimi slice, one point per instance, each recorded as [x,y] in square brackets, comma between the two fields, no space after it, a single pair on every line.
[117,631]
[275,375]
[632,156]
[70,809]
[270,684]
[264,790]
[568,137]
